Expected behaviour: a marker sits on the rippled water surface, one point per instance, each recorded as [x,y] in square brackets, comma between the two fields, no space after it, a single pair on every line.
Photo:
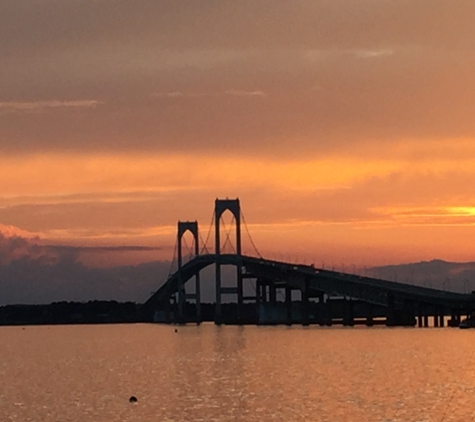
[208,373]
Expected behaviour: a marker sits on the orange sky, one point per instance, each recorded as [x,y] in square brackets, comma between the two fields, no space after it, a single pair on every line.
[346,128]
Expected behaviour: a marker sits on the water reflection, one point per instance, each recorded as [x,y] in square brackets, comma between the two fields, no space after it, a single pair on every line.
[82,373]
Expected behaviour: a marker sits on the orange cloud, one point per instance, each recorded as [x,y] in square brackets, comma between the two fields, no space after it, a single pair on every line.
[338,203]
[9,231]
[62,174]
[37,106]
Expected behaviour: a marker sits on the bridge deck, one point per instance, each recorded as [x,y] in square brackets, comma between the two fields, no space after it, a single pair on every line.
[298,276]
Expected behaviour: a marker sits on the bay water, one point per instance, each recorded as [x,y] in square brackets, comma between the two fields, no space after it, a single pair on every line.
[231,373]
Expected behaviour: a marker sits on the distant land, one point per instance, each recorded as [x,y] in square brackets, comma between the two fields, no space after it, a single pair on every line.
[28,281]
[438,274]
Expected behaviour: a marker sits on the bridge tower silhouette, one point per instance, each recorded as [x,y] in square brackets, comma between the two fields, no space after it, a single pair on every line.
[192,227]
[220,207]
[326,297]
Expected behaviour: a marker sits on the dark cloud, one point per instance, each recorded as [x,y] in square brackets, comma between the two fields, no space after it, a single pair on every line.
[103,248]
[14,248]
[31,272]
[34,273]
[384,70]
[52,24]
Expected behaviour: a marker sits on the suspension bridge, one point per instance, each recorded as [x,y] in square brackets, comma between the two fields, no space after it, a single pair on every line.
[286,293]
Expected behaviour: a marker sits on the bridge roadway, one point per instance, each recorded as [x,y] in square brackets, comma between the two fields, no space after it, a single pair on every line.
[316,281]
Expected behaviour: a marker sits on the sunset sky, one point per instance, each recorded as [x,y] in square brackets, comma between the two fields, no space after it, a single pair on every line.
[345,127]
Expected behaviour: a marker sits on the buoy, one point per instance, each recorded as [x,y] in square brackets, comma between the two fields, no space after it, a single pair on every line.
[133,399]
[176,331]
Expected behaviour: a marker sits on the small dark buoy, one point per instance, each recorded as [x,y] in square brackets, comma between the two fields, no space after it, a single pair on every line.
[176,330]
[133,399]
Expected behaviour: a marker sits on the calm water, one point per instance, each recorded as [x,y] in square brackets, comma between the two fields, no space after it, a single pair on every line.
[208,373]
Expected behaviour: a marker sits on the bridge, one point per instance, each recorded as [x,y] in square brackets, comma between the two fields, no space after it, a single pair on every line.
[324,297]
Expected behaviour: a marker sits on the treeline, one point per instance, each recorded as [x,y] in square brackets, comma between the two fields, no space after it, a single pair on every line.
[110,312]
[93,312]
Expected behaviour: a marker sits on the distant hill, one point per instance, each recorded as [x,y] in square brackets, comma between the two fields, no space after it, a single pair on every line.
[438,274]
[30,281]
[27,281]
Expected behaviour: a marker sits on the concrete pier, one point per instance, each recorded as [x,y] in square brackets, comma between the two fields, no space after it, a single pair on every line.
[288,304]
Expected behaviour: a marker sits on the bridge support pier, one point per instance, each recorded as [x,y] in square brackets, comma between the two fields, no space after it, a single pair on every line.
[369,318]
[288,304]
[328,312]
[421,312]
[454,320]
[390,315]
[420,322]
[183,227]
[321,314]
[348,315]
[272,293]
[231,205]
[426,321]
[305,303]
[263,290]
[167,312]
[180,317]
[268,310]
[258,298]
[402,316]
[172,309]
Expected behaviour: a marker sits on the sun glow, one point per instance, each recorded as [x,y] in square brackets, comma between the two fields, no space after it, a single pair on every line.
[339,201]
[462,211]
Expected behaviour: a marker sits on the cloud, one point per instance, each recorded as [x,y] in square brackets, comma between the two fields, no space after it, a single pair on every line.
[240,93]
[229,92]
[173,94]
[15,106]
[33,272]
[234,113]
[124,54]
[120,248]
[370,54]
[180,94]
[9,231]
[17,244]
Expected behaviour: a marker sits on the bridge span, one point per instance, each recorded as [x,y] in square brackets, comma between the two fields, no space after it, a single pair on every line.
[397,303]
[324,297]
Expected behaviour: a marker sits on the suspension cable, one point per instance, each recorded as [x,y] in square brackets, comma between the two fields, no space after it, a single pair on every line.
[205,243]
[226,242]
[249,234]
[192,249]
[175,249]
[228,233]
[203,248]
[188,252]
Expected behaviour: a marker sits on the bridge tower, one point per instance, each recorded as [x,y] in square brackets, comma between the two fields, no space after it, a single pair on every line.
[221,206]
[192,227]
